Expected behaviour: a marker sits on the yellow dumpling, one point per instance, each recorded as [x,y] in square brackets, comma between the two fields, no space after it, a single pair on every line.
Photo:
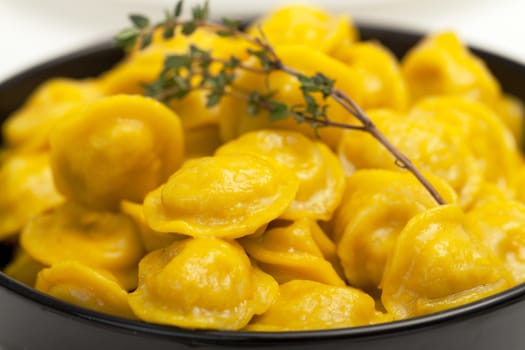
[151,239]
[376,207]
[118,148]
[290,250]
[519,186]
[23,268]
[305,25]
[201,141]
[287,90]
[202,283]
[488,139]
[442,65]
[437,264]
[432,146]
[27,189]
[490,192]
[308,305]
[227,196]
[321,178]
[84,286]
[500,225]
[195,114]
[144,66]
[511,112]
[29,127]
[128,76]
[384,85]
[102,240]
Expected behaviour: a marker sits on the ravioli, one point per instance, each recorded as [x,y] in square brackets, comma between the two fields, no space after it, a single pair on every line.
[321,178]
[203,283]
[227,196]
[139,134]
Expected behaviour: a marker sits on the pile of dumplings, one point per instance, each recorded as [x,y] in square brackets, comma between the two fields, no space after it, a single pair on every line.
[210,218]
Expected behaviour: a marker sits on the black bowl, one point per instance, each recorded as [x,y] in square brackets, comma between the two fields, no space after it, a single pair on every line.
[32,320]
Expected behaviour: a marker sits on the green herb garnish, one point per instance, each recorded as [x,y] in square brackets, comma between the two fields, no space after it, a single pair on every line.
[178,78]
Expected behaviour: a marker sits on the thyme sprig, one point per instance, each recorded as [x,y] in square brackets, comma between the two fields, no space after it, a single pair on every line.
[193,71]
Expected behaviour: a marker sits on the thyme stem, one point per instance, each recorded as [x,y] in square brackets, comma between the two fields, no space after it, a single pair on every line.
[324,122]
[171,85]
[368,126]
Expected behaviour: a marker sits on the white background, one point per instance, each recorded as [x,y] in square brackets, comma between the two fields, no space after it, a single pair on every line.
[32,31]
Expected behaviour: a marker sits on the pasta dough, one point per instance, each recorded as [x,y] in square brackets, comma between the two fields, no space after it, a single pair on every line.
[201,283]
[219,218]
[226,196]
[140,135]
[320,175]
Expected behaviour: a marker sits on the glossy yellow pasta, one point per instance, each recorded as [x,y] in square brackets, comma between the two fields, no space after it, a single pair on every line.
[376,206]
[101,240]
[442,65]
[23,268]
[438,263]
[193,111]
[139,134]
[431,145]
[84,286]
[304,25]
[490,142]
[512,113]
[384,85]
[287,89]
[308,305]
[143,66]
[227,196]
[201,141]
[27,189]
[30,126]
[291,251]
[500,225]
[202,283]
[151,239]
[490,192]
[321,178]
[248,205]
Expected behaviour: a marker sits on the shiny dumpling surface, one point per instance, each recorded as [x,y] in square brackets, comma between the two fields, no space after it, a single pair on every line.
[295,250]
[500,225]
[488,139]
[437,264]
[308,305]
[441,65]
[142,66]
[431,145]
[29,127]
[84,286]
[287,90]
[204,283]
[305,25]
[103,240]
[139,134]
[27,187]
[384,85]
[23,267]
[376,206]
[151,239]
[321,178]
[227,196]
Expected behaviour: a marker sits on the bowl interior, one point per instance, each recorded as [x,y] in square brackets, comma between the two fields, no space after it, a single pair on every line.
[94,60]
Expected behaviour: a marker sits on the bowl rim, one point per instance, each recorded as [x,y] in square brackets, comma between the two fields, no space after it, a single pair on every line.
[468,311]
[456,314]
